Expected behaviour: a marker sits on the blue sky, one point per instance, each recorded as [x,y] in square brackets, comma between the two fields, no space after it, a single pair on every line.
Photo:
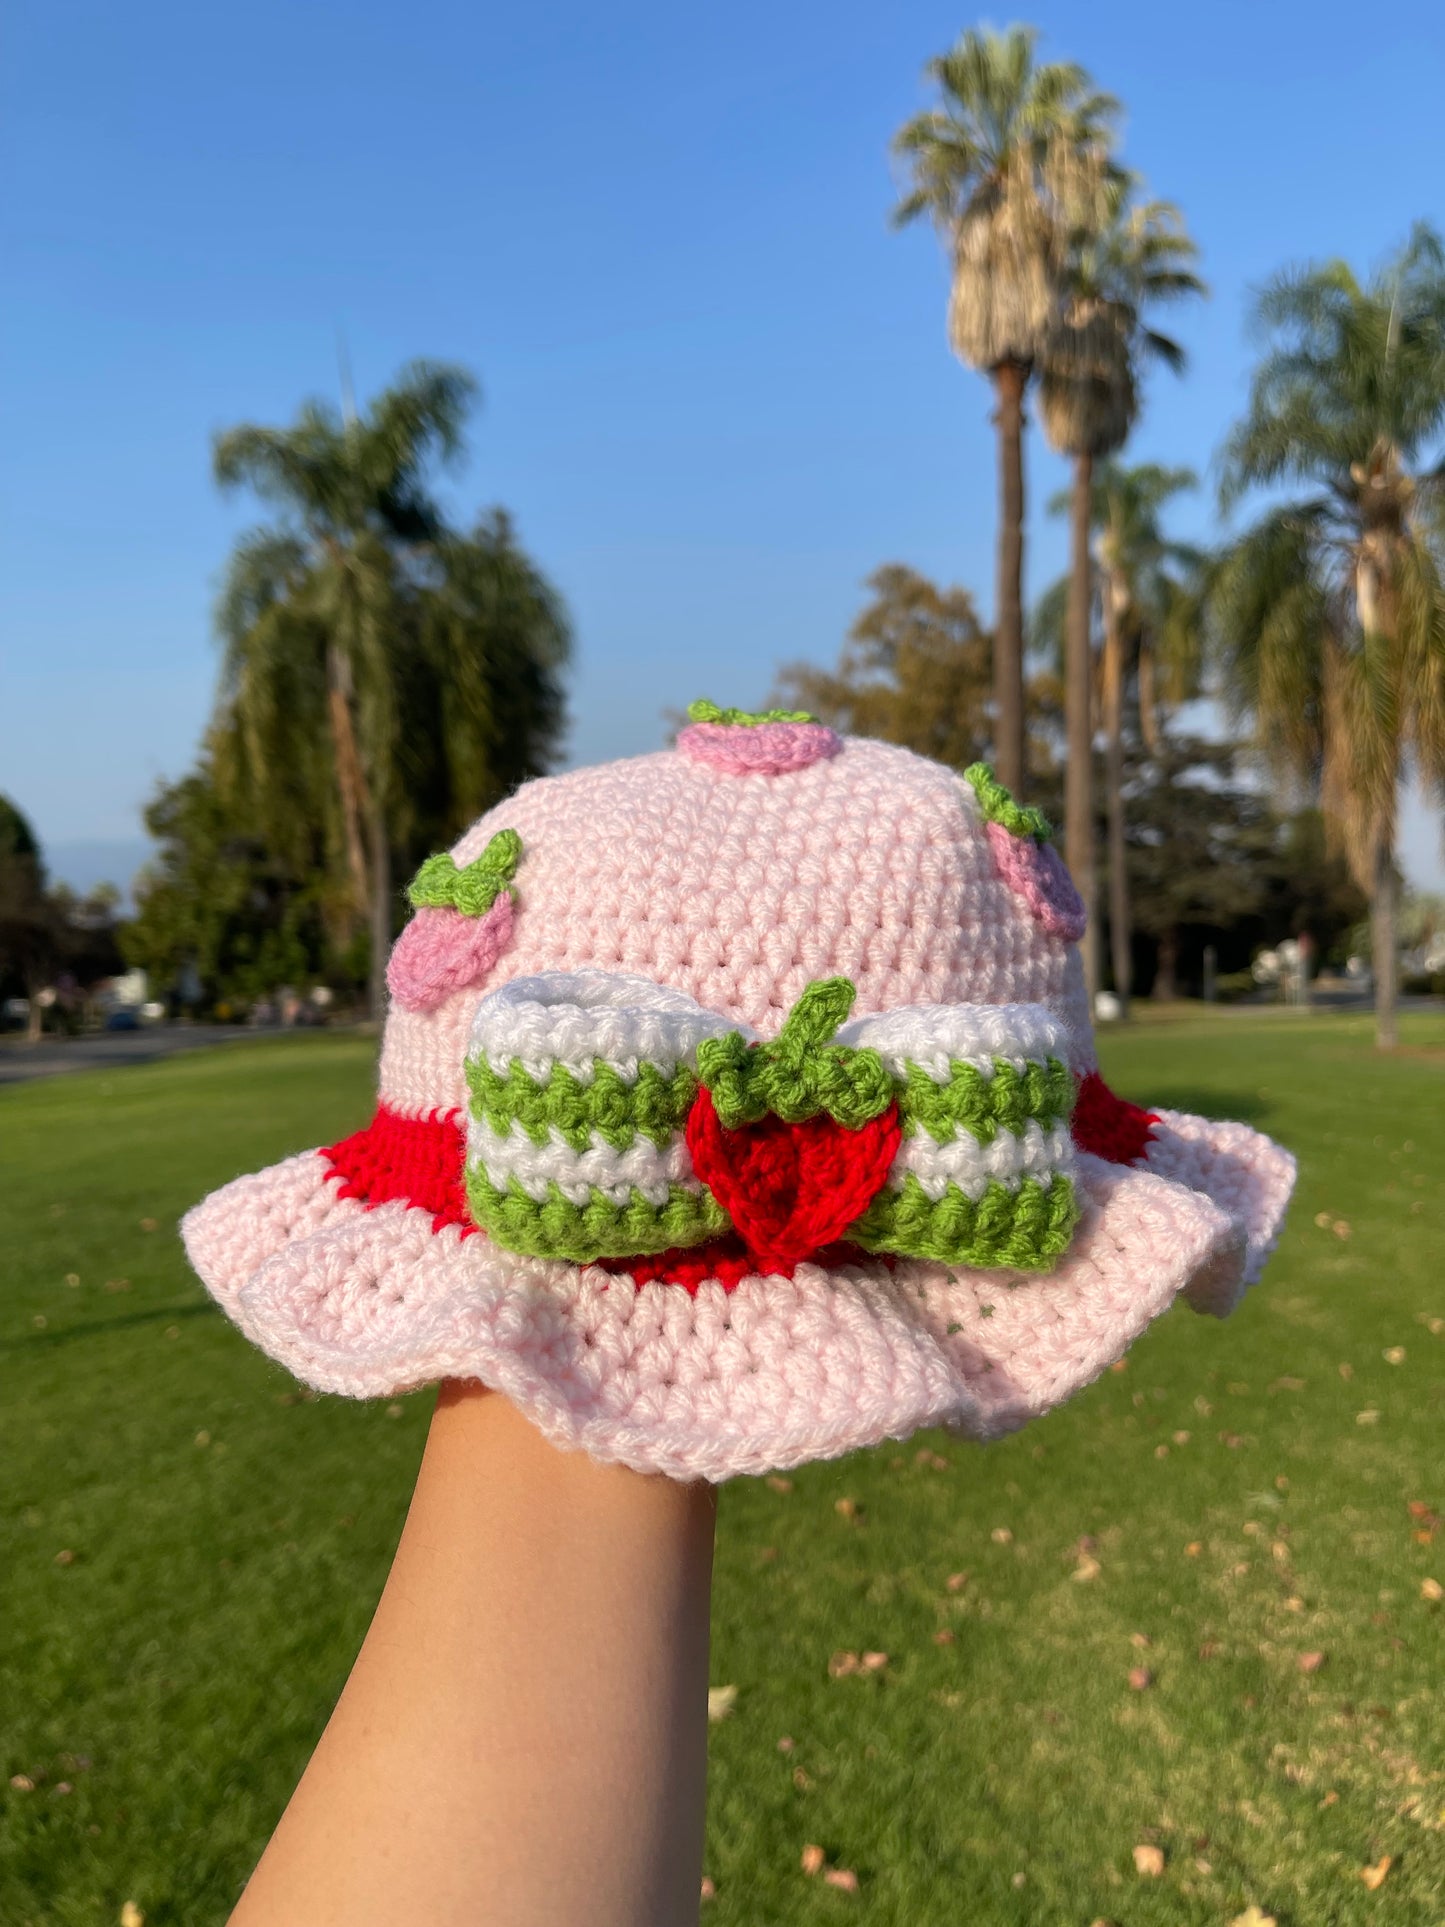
[717,392]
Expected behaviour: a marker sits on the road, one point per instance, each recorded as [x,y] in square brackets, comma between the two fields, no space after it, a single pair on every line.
[20,1063]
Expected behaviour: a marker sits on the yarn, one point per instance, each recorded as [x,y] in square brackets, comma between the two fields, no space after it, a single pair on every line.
[1037,873]
[703,711]
[1109,1126]
[440,885]
[554,1226]
[698,893]
[996,805]
[801,1073]
[757,749]
[443,951]
[419,1160]
[791,1187]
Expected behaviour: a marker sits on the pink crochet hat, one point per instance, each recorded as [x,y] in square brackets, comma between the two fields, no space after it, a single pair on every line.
[739,1106]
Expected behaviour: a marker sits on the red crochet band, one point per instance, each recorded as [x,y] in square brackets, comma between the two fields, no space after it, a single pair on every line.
[418,1159]
[1108,1126]
[422,1161]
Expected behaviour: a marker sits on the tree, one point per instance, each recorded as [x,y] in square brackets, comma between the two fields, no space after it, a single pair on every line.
[218,905]
[1151,650]
[1328,612]
[1212,862]
[1124,260]
[426,662]
[990,166]
[915,670]
[27,927]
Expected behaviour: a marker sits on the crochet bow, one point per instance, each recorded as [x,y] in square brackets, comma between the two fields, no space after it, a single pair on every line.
[614,1118]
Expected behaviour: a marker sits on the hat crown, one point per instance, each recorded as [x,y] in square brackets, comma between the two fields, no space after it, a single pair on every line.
[740,889]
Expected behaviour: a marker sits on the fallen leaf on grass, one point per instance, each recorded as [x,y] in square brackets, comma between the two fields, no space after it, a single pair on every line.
[1323,1220]
[943,1637]
[1330,1799]
[1294,1604]
[1288,1385]
[1149,1861]
[1253,1917]
[1141,1640]
[1367,1418]
[846,1508]
[1310,1662]
[131,1915]
[203,1438]
[777,1484]
[1140,1678]
[22,1783]
[956,1581]
[65,1558]
[874,1662]
[1347,1372]
[1182,1438]
[1087,1568]
[148,1224]
[933,1461]
[1374,1877]
[843,1878]
[1210,1649]
[812,1860]
[1001,1536]
[1161,1451]
[1394,1354]
[1431,1589]
[1193,1549]
[720,1701]
[709,1892]
[801,1780]
[1341,1228]
[842,1664]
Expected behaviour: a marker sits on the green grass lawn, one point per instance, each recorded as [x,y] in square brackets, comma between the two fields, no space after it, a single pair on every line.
[190,1548]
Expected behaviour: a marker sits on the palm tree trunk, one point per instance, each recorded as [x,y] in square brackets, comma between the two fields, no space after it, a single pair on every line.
[1383,907]
[1010,380]
[350,781]
[380,913]
[1120,931]
[1078,715]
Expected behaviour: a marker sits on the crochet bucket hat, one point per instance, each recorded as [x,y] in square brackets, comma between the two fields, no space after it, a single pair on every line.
[739,1106]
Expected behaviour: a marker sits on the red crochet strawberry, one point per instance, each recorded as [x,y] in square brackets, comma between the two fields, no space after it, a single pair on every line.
[790,1189]
[794,1138]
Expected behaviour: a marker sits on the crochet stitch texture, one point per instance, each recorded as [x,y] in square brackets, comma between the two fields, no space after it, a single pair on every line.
[728,882]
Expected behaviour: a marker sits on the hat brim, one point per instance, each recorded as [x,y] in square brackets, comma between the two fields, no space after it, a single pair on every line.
[373,1301]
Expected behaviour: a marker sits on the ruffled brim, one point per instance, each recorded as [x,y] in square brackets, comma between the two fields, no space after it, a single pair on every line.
[372,1302]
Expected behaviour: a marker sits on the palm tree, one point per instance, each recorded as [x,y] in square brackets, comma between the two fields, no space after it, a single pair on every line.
[1148,598]
[319,596]
[1125,260]
[1328,612]
[986,165]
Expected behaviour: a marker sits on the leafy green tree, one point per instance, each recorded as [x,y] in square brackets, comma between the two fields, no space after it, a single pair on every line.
[1125,260]
[27,923]
[218,904]
[915,669]
[1328,612]
[426,662]
[993,166]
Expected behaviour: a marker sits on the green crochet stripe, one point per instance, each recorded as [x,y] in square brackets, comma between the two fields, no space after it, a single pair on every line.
[999,807]
[554,1227]
[656,1105]
[702,711]
[799,1074]
[983,1106]
[1022,1230]
[440,885]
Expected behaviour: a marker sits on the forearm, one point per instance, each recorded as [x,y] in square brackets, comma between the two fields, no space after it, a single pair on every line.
[523,1738]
